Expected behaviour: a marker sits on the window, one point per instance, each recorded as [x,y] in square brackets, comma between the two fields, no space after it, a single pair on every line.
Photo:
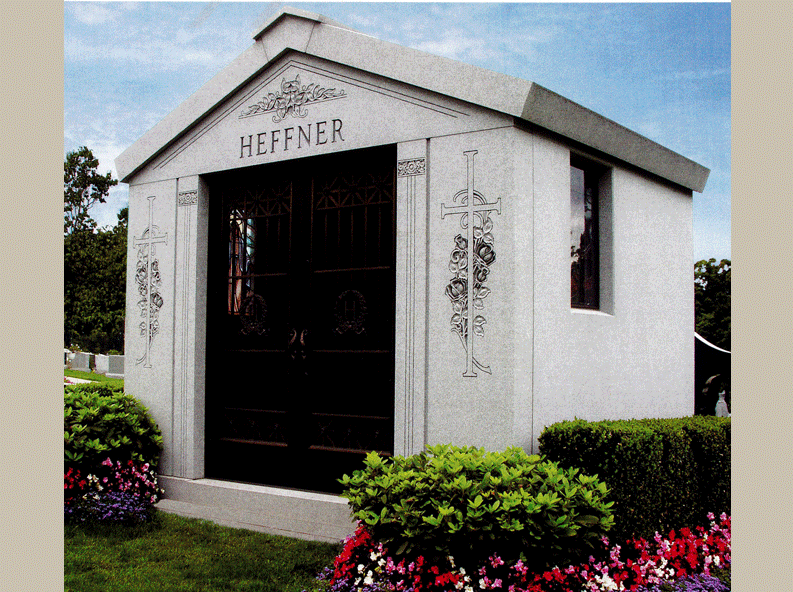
[585,183]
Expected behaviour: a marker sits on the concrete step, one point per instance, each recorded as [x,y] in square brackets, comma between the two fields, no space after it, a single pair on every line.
[298,514]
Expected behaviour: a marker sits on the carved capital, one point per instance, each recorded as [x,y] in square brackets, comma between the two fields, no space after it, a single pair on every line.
[187,198]
[411,167]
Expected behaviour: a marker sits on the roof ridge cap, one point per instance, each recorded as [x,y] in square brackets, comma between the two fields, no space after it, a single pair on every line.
[288,11]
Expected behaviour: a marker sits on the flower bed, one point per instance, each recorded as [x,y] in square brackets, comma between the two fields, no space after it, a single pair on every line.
[114,492]
[114,507]
[111,448]
[682,561]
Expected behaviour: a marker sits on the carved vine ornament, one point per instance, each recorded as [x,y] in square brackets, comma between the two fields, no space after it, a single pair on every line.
[292,100]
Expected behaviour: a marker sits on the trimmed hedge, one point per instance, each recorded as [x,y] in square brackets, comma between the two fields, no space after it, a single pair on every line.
[470,503]
[102,422]
[662,473]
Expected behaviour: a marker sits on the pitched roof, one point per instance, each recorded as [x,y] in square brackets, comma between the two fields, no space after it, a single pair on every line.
[313,34]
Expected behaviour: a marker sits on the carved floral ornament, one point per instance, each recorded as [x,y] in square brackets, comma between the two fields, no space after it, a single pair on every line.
[291,100]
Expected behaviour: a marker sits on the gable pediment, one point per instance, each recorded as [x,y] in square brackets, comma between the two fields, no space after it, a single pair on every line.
[304,106]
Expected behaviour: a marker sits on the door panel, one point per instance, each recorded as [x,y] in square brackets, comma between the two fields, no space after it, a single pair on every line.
[300,346]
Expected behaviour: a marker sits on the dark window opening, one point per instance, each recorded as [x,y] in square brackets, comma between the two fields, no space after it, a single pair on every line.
[584,244]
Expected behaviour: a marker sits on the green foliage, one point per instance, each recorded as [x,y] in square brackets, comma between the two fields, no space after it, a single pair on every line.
[95,268]
[663,473]
[712,301]
[95,261]
[83,187]
[711,446]
[101,422]
[469,503]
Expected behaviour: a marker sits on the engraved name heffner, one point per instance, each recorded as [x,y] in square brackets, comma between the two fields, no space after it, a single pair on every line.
[291,137]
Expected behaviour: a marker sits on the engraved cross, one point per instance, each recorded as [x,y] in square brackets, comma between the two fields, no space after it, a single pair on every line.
[473,205]
[147,240]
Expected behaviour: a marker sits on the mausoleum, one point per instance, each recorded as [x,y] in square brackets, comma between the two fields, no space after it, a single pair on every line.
[340,245]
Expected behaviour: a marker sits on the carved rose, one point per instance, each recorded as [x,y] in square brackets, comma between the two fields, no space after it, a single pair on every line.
[486,253]
[480,274]
[140,279]
[457,289]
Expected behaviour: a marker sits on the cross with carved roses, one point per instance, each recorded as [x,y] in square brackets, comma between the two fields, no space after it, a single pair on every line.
[473,205]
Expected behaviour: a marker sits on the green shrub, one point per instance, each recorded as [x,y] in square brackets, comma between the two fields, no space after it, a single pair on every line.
[711,448]
[663,473]
[470,503]
[101,422]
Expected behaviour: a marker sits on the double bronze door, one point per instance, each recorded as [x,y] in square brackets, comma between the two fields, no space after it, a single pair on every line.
[300,327]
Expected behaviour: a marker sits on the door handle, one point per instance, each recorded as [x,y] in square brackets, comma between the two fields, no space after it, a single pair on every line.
[297,345]
[303,334]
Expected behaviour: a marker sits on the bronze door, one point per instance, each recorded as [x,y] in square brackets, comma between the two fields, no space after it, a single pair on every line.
[300,320]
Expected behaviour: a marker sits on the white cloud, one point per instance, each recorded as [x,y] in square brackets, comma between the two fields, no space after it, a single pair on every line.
[362,21]
[697,74]
[161,55]
[457,44]
[92,13]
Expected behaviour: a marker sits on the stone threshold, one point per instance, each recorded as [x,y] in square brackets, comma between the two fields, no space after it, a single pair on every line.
[298,514]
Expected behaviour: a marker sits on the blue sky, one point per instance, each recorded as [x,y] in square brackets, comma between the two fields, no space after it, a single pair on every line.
[660,69]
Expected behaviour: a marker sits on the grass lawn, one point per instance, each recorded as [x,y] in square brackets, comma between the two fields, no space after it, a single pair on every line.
[95,377]
[175,554]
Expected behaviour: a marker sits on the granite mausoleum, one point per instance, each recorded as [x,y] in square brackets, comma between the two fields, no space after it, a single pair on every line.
[340,245]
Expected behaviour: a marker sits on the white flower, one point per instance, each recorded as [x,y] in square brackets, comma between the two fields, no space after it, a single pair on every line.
[373,556]
[482,584]
[716,560]
[462,571]
[360,568]
[368,581]
[606,583]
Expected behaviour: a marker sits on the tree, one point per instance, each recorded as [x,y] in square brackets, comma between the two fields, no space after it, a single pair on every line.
[83,187]
[94,260]
[712,301]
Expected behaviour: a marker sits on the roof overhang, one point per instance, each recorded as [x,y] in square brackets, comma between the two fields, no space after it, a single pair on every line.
[316,35]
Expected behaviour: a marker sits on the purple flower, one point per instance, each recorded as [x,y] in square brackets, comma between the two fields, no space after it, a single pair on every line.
[113,507]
